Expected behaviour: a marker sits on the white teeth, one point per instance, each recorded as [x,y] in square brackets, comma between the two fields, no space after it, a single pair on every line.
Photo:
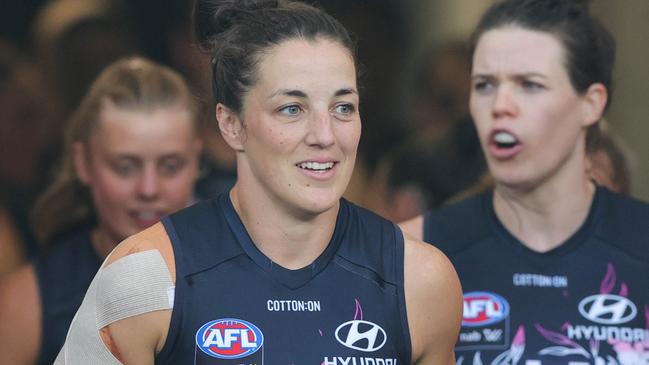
[316,165]
[504,137]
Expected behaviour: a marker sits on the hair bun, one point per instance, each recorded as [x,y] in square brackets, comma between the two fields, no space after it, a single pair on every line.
[215,17]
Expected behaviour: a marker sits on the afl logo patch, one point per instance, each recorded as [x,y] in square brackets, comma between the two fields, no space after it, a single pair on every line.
[361,335]
[229,338]
[483,308]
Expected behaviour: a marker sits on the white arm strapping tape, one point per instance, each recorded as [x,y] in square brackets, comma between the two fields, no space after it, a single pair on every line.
[135,284]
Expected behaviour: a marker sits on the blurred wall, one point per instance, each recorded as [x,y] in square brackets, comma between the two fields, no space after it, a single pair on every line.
[629,113]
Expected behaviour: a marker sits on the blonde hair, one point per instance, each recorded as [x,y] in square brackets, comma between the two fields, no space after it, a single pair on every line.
[132,84]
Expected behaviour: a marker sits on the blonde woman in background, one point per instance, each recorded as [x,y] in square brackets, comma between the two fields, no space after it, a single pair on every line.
[131,157]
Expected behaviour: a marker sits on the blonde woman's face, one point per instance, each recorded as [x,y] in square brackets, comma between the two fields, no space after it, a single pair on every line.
[139,166]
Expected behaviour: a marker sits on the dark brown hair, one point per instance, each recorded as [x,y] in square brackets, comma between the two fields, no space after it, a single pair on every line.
[237,32]
[588,46]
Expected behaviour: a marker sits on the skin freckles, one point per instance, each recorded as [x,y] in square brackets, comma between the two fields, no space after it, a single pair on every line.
[303,109]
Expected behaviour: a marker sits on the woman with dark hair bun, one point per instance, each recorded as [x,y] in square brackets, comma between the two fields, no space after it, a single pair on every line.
[554,267]
[282,269]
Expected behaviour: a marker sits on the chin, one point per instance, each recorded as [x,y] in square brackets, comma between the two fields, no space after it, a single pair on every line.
[518,183]
[319,204]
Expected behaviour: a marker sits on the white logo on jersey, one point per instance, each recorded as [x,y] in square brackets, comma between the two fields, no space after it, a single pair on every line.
[228,337]
[607,309]
[375,336]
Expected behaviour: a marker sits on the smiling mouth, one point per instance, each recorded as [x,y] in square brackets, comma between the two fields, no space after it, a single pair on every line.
[505,140]
[316,166]
[145,218]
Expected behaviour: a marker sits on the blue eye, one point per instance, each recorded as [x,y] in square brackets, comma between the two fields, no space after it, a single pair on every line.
[482,86]
[345,109]
[171,166]
[291,110]
[531,85]
[124,168]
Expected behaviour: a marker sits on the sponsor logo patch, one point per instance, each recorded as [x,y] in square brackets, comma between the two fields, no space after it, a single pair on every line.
[229,338]
[607,309]
[361,335]
[483,308]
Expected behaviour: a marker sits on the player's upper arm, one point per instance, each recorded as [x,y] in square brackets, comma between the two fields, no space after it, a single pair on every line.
[433,303]
[127,308]
[20,317]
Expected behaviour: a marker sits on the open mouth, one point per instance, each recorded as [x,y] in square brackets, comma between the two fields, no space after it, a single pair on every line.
[316,166]
[145,218]
[505,140]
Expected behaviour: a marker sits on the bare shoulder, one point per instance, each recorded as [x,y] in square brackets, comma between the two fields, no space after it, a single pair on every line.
[433,303]
[152,238]
[20,317]
[413,227]
[137,338]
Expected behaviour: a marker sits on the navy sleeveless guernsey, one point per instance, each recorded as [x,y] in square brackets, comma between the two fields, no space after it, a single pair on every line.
[63,275]
[584,302]
[233,305]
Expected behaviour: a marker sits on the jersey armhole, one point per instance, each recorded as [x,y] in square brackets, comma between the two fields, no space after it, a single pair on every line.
[176,313]
[400,268]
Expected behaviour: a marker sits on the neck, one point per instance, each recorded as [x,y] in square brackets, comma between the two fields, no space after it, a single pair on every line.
[102,242]
[290,240]
[543,218]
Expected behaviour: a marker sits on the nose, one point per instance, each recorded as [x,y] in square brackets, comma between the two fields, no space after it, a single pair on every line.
[504,103]
[321,133]
[148,186]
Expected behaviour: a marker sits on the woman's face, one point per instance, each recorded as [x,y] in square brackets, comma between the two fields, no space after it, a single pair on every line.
[301,127]
[139,166]
[530,119]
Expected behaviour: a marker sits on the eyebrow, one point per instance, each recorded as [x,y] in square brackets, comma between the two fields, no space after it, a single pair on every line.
[302,94]
[288,92]
[517,76]
[343,92]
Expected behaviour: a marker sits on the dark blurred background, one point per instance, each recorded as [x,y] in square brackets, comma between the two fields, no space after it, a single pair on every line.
[418,146]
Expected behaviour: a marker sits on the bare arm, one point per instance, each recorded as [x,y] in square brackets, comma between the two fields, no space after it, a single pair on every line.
[20,318]
[433,303]
[138,338]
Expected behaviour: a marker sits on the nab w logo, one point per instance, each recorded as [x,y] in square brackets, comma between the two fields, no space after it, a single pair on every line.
[607,309]
[361,335]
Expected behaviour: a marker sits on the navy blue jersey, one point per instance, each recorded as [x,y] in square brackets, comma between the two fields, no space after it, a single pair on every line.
[233,305]
[584,302]
[63,275]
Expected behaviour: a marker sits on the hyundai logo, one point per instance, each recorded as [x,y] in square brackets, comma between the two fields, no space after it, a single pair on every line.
[607,309]
[361,335]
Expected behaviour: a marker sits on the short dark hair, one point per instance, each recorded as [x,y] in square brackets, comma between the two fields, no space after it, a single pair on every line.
[237,32]
[589,47]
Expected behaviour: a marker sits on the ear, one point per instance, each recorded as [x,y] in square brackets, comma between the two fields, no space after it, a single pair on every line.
[80,160]
[595,100]
[230,126]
